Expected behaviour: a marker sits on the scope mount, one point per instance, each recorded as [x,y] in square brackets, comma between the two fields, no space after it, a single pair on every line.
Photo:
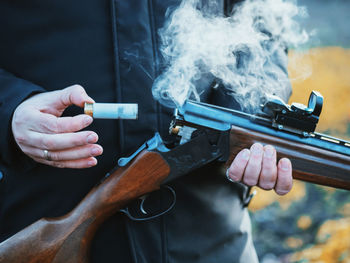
[295,117]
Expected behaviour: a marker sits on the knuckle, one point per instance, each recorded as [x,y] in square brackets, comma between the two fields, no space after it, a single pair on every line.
[254,166]
[48,143]
[267,179]
[249,181]
[52,126]
[16,121]
[69,124]
[63,128]
[269,171]
[19,121]
[64,99]
[54,156]
[58,164]
[42,126]
[20,139]
[256,158]
[76,140]
[77,124]
[73,94]
[239,164]
[78,89]
[267,185]
[268,166]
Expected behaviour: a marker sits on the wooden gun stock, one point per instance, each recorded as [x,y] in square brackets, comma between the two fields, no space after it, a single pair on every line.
[67,239]
[310,164]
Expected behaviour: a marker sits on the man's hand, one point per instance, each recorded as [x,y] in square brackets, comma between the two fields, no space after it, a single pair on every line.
[45,136]
[257,167]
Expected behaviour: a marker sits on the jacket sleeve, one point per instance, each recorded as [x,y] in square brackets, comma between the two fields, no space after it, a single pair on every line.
[13,91]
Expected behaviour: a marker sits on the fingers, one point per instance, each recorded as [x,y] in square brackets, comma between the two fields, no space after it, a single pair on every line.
[55,102]
[75,164]
[257,167]
[76,153]
[47,123]
[37,126]
[75,94]
[252,171]
[66,150]
[42,112]
[55,142]
[268,173]
[237,168]
[246,167]
[284,181]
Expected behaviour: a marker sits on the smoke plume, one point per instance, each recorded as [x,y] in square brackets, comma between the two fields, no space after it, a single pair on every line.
[245,51]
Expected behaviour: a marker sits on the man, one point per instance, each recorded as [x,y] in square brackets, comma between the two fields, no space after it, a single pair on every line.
[49,45]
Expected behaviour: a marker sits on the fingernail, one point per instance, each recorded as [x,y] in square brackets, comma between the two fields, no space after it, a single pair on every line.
[269,151]
[92,162]
[91,138]
[245,154]
[285,164]
[95,151]
[87,120]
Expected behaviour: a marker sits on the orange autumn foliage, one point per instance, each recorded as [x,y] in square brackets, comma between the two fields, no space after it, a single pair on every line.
[326,70]
[330,75]
[333,244]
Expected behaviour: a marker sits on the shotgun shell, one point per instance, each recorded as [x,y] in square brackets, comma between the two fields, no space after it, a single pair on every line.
[127,111]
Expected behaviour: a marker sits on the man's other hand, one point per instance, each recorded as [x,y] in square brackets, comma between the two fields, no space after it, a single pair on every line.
[45,136]
[257,167]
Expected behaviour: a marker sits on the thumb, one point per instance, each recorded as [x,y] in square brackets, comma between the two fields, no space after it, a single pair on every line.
[73,95]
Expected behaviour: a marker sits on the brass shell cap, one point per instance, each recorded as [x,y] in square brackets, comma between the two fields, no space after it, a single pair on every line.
[89,109]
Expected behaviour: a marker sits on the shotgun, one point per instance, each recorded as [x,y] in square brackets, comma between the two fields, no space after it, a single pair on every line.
[203,133]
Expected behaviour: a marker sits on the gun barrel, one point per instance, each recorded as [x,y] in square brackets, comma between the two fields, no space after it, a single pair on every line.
[316,158]
[219,118]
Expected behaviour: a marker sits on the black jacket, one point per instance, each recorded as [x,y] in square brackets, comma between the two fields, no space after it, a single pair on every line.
[110,47]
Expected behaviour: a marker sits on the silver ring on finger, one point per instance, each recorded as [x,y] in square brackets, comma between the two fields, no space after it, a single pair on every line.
[47,155]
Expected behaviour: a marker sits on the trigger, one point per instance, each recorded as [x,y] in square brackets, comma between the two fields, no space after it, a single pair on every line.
[143,198]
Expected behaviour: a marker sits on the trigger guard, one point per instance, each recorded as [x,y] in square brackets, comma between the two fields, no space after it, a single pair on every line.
[128,214]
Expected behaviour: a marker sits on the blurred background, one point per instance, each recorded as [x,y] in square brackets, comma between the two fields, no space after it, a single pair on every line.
[312,223]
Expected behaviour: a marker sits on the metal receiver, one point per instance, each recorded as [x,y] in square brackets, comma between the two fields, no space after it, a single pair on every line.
[294,122]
